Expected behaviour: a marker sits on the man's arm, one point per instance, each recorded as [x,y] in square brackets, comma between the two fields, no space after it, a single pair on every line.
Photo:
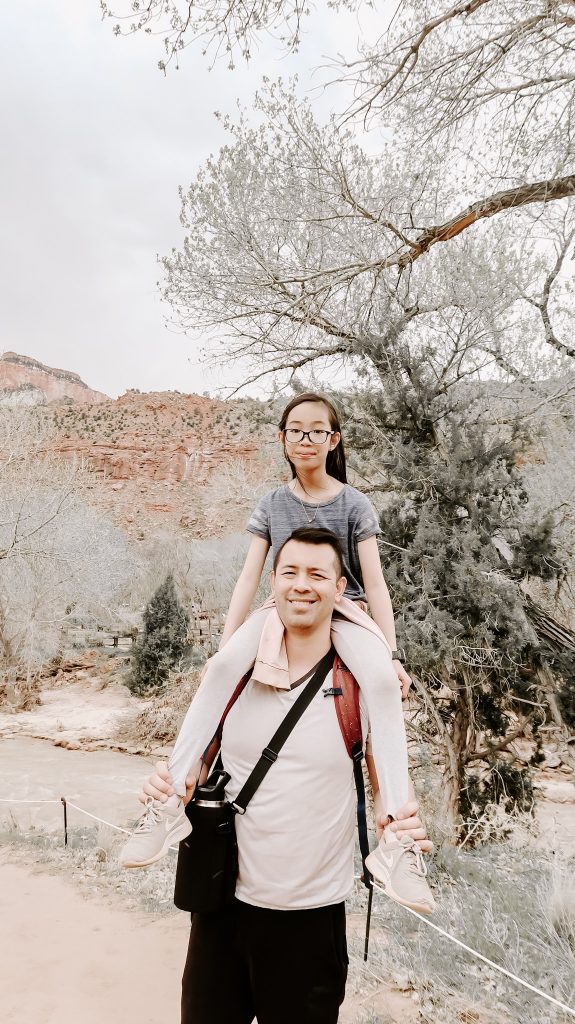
[407,820]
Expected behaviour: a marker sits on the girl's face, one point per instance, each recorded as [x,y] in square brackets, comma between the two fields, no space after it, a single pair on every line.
[311,450]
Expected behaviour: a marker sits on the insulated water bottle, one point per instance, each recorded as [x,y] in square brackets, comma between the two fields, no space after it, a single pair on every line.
[207,859]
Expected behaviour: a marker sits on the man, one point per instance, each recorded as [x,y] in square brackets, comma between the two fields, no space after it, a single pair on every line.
[279,952]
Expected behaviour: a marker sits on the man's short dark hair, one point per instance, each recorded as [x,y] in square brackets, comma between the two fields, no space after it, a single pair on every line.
[315,535]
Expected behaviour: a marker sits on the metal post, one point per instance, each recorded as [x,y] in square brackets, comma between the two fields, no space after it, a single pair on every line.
[63,799]
[368,922]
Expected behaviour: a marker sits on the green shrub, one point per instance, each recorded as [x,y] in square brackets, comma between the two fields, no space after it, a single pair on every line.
[164,639]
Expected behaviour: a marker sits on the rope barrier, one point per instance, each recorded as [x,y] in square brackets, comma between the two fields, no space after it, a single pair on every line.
[441,931]
[68,803]
[95,817]
[474,952]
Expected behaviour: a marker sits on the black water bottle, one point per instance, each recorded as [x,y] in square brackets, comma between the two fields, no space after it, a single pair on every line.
[207,860]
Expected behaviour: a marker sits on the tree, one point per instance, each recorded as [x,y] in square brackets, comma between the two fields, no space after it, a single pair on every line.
[164,639]
[284,234]
[489,78]
[223,28]
[426,270]
[482,86]
[458,543]
[58,555]
[285,254]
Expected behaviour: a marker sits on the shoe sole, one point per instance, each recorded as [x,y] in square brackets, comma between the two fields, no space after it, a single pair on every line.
[388,889]
[175,837]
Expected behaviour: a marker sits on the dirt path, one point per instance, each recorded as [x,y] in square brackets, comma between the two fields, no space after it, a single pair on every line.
[68,957]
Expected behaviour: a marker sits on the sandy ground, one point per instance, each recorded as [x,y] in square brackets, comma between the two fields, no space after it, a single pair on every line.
[81,712]
[104,782]
[66,958]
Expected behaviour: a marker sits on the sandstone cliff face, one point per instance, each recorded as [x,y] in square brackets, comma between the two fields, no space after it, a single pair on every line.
[25,381]
[157,459]
[157,456]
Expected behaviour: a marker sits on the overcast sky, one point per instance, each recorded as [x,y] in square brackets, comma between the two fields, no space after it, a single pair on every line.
[95,142]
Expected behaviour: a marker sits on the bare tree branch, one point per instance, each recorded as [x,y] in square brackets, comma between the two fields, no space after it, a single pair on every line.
[510,199]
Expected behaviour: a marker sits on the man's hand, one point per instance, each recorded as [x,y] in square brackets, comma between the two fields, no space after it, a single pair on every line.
[404,678]
[407,822]
[159,785]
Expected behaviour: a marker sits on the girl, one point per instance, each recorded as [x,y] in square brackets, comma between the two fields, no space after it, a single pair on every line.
[317,494]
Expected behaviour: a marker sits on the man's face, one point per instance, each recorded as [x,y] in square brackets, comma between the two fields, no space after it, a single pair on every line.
[306,584]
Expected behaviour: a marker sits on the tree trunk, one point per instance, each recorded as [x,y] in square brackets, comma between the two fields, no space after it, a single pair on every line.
[547,681]
[454,777]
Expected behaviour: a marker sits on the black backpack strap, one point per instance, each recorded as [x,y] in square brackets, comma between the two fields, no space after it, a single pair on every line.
[357,757]
[270,754]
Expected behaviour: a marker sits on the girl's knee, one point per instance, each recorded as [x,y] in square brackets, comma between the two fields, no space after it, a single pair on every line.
[219,662]
[376,675]
[385,674]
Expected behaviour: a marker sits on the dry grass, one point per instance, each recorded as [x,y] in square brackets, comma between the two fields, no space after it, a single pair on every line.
[512,904]
[90,859]
[159,720]
[19,690]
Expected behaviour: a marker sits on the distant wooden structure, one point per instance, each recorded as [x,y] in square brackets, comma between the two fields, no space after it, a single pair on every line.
[120,639]
[205,631]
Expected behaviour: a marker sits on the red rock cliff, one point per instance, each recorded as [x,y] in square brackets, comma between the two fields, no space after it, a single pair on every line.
[26,381]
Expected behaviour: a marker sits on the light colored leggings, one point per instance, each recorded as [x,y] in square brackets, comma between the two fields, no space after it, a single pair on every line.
[367,658]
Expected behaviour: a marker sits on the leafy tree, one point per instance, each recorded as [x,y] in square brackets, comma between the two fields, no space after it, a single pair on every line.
[164,640]
[488,82]
[458,542]
[319,278]
[426,268]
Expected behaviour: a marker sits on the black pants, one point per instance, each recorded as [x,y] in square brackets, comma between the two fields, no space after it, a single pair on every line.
[280,966]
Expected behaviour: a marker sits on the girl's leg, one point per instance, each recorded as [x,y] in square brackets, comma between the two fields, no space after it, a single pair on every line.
[396,865]
[223,673]
[368,659]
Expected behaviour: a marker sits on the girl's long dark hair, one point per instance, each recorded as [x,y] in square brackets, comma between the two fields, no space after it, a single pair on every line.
[335,464]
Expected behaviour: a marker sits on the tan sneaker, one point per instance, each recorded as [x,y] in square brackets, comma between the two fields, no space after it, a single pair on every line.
[399,869]
[161,825]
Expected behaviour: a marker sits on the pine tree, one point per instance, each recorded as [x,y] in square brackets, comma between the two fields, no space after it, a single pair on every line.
[164,639]
[457,542]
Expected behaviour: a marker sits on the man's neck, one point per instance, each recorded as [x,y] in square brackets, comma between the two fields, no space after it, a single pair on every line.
[305,648]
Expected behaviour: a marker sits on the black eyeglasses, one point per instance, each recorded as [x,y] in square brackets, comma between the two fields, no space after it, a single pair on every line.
[315,436]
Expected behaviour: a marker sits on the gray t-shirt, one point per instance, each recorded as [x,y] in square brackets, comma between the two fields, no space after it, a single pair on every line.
[350,515]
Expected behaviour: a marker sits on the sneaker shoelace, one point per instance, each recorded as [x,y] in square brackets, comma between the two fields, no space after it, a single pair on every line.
[417,864]
[149,818]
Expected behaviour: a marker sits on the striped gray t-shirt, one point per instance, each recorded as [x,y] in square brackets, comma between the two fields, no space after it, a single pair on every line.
[350,515]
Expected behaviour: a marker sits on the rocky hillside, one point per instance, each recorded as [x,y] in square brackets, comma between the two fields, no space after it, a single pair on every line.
[161,461]
[158,456]
[25,381]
